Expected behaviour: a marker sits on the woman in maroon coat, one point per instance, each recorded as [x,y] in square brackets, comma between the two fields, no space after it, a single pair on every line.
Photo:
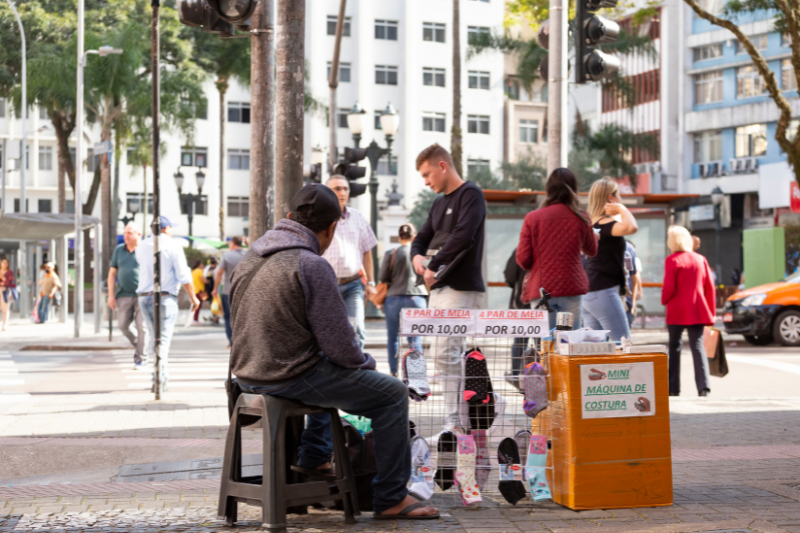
[550,246]
[689,296]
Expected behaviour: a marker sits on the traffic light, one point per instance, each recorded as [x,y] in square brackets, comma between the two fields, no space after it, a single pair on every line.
[349,169]
[591,30]
[218,16]
[313,173]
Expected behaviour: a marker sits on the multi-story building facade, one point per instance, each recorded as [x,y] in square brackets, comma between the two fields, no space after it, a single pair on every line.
[398,52]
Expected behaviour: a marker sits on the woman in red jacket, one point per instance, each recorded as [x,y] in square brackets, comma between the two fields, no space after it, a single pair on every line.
[550,247]
[689,296]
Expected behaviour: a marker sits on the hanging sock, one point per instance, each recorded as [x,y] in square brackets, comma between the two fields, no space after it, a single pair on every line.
[445,460]
[421,470]
[482,464]
[511,471]
[415,376]
[534,383]
[536,468]
[476,382]
[465,474]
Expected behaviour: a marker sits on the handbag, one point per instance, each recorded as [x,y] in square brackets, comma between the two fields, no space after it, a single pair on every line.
[383,287]
[715,351]
[232,387]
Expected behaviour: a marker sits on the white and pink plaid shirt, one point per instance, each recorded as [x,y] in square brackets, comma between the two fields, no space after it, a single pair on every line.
[353,237]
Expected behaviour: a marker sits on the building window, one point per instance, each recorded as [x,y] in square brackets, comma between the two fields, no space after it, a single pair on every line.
[135,198]
[194,157]
[332,20]
[45,206]
[712,6]
[238,206]
[788,79]
[749,82]
[387,168]
[385,75]
[477,166]
[759,41]
[2,108]
[786,42]
[238,159]
[16,205]
[239,112]
[344,72]
[708,87]
[529,131]
[386,30]
[45,158]
[478,124]
[433,31]
[341,118]
[433,77]
[478,80]
[474,33]
[708,146]
[751,141]
[711,51]
[42,112]
[433,122]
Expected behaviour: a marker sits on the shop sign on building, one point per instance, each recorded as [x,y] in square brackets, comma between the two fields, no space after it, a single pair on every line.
[618,390]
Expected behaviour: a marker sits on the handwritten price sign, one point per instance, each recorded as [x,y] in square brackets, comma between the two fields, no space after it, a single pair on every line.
[512,323]
[437,322]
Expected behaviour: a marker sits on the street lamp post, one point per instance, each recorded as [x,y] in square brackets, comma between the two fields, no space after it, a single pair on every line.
[78,198]
[390,121]
[717,197]
[189,200]
[133,208]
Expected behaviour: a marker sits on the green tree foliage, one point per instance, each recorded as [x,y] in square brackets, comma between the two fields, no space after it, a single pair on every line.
[787,22]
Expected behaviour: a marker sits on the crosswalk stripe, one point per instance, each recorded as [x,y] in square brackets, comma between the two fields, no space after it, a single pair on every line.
[178,385]
[173,376]
[11,381]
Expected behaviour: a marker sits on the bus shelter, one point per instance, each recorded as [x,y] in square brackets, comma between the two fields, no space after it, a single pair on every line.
[654,213]
[28,238]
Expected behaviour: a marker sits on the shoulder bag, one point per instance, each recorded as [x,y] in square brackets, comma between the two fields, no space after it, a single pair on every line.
[383,287]
[232,388]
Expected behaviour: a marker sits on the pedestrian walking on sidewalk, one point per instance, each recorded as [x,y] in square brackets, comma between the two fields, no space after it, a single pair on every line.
[49,285]
[349,254]
[174,274]
[229,261]
[602,306]
[209,273]
[199,287]
[550,246]
[452,238]
[688,293]
[406,289]
[123,280]
[7,283]
[292,338]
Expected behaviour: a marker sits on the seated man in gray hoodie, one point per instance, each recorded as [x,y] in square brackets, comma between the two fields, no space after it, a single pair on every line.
[292,338]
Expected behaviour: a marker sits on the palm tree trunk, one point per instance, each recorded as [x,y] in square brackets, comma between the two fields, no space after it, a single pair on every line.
[222,87]
[455,133]
[144,203]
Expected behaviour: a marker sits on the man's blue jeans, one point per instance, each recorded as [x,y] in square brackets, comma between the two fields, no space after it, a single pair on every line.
[226,309]
[353,296]
[169,313]
[603,310]
[44,309]
[391,308]
[381,398]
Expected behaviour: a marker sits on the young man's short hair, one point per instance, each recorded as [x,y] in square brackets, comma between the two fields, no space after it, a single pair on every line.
[237,241]
[433,154]
[306,216]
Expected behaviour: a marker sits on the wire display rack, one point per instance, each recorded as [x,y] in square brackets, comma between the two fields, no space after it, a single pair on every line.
[505,339]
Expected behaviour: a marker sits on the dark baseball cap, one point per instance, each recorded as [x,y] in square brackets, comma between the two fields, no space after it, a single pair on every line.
[321,198]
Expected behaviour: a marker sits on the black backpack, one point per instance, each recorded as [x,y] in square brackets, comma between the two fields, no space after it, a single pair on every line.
[362,459]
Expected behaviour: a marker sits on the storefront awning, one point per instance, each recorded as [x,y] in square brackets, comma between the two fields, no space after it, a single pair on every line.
[40,226]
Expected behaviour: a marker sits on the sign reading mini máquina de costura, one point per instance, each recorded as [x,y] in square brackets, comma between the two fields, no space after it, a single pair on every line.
[618,391]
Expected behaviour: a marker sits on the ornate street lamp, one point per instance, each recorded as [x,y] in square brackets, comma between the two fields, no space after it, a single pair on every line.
[189,200]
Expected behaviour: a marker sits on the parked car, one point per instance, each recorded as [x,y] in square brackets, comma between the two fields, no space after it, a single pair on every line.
[766,313]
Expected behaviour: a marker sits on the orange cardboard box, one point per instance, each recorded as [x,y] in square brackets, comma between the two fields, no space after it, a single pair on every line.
[610,434]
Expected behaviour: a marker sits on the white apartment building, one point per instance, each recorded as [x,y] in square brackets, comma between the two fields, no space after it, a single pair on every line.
[398,52]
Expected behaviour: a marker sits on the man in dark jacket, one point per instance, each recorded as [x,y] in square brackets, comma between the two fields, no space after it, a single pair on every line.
[292,338]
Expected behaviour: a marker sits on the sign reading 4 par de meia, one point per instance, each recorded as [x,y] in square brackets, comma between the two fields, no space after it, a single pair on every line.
[618,390]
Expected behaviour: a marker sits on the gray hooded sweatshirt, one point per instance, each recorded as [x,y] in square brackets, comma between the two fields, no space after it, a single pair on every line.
[291,315]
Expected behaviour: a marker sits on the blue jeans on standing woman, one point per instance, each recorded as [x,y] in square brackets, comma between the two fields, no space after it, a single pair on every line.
[391,308]
[603,310]
[381,398]
[559,304]
[44,309]
[353,296]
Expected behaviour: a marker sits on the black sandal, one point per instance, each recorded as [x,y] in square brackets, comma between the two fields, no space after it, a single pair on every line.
[326,474]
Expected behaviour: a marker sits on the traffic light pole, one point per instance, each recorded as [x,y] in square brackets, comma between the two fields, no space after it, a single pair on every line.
[262,109]
[558,84]
[333,83]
